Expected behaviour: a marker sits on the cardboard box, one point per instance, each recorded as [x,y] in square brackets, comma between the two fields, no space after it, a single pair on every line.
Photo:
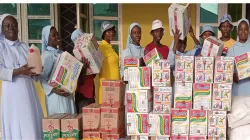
[178,137]
[139,78]
[204,67]
[222,97]
[129,62]
[162,99]
[91,115]
[159,125]
[184,69]
[183,95]
[139,101]
[65,73]
[242,63]
[217,127]
[139,138]
[113,93]
[224,69]
[87,47]
[159,138]
[91,134]
[180,122]
[202,96]
[137,124]
[112,119]
[161,73]
[152,55]
[71,126]
[179,18]
[198,122]
[51,126]
[108,136]
[197,138]
[212,47]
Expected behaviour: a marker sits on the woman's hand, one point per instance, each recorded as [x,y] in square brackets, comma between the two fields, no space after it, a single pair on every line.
[60,92]
[24,70]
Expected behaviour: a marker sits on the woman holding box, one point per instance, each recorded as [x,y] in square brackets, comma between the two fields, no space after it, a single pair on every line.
[110,65]
[57,101]
[21,110]
[85,93]
[239,118]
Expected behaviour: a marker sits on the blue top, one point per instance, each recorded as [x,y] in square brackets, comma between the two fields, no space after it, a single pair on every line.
[243,87]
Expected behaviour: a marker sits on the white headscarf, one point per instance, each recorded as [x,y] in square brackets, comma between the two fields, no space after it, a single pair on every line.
[45,37]
[1,24]
[130,40]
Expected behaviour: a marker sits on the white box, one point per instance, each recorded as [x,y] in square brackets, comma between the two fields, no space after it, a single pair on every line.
[159,125]
[139,138]
[180,122]
[217,126]
[183,95]
[222,97]
[87,47]
[179,17]
[139,101]
[162,99]
[224,69]
[65,73]
[202,96]
[139,78]
[204,67]
[161,73]
[242,63]
[212,47]
[152,55]
[129,62]
[184,69]
[137,124]
[198,122]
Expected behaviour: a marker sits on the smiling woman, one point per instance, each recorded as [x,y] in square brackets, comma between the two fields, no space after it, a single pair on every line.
[18,91]
[110,66]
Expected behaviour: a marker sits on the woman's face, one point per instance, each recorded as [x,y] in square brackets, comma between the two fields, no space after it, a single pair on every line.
[157,34]
[225,29]
[182,45]
[10,28]
[243,30]
[206,34]
[109,35]
[136,34]
[53,37]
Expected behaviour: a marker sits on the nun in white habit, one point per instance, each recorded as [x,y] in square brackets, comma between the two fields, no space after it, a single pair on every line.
[21,110]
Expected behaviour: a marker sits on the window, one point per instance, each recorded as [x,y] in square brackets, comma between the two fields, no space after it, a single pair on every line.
[34,18]
[38,16]
[212,12]
[106,12]
[82,17]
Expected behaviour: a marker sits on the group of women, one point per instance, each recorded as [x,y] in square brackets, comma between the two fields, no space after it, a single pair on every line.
[21,110]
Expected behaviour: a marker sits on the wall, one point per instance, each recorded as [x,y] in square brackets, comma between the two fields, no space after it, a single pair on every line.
[145,14]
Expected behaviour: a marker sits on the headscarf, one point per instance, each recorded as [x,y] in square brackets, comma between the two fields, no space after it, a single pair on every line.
[1,24]
[75,34]
[238,43]
[45,37]
[207,27]
[225,18]
[130,40]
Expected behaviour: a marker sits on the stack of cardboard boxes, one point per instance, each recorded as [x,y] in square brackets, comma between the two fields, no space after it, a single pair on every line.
[106,121]
[62,126]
